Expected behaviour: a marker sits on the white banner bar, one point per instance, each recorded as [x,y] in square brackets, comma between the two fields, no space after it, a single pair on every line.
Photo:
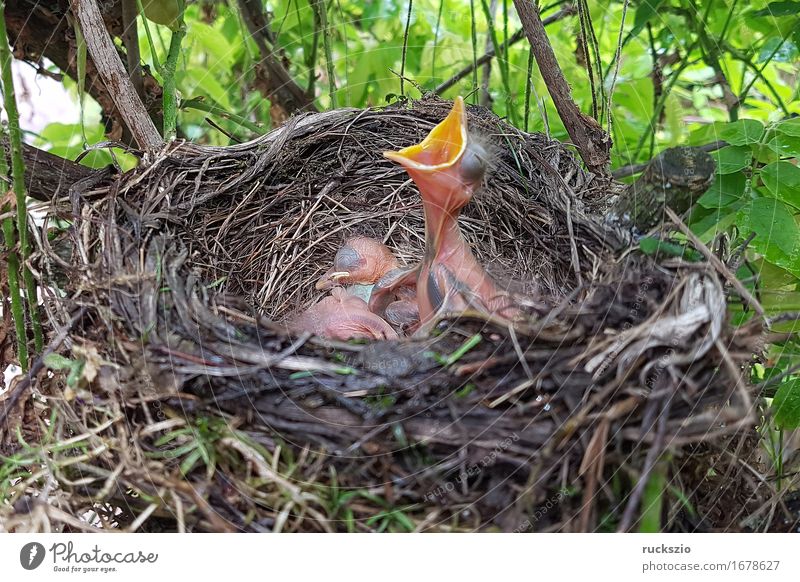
[401,557]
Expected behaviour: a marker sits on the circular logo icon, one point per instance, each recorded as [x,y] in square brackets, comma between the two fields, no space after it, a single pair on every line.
[31,555]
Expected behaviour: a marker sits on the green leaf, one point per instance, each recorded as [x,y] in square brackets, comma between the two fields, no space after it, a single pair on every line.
[782,180]
[653,246]
[732,159]
[789,126]
[220,51]
[785,145]
[741,132]
[773,223]
[786,405]
[58,362]
[647,9]
[724,191]
[779,50]
[784,8]
[209,86]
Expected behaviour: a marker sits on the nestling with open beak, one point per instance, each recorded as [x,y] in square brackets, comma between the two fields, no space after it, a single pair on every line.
[342,316]
[448,167]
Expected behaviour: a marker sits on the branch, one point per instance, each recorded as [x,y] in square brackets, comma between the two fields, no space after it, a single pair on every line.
[168,74]
[592,142]
[130,38]
[113,74]
[48,175]
[280,88]
[490,53]
[43,31]
[18,179]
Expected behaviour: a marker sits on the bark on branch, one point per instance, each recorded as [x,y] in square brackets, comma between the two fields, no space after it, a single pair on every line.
[113,73]
[49,176]
[592,142]
[41,29]
[279,86]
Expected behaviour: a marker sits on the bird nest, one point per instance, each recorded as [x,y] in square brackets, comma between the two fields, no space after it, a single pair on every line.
[187,406]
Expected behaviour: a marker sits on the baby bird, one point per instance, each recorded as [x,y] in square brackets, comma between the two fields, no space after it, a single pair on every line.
[342,316]
[361,263]
[448,167]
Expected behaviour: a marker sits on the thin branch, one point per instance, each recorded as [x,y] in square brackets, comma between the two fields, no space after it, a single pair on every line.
[405,48]
[113,73]
[490,54]
[130,38]
[436,39]
[281,88]
[592,142]
[12,265]
[608,107]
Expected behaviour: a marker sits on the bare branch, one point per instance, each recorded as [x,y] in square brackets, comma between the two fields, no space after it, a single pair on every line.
[279,85]
[130,38]
[568,10]
[592,142]
[113,73]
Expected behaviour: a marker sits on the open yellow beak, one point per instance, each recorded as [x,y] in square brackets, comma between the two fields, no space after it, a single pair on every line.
[442,147]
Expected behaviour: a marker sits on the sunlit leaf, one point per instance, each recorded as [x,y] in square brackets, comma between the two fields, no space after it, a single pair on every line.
[782,180]
[773,223]
[783,8]
[789,127]
[732,159]
[724,191]
[741,132]
[785,145]
[644,13]
[786,405]
[779,50]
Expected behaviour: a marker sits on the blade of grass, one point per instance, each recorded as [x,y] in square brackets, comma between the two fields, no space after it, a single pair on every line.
[321,11]
[18,176]
[405,49]
[436,41]
[170,96]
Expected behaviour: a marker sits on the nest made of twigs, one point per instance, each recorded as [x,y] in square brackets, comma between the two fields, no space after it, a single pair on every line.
[200,413]
[264,219]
